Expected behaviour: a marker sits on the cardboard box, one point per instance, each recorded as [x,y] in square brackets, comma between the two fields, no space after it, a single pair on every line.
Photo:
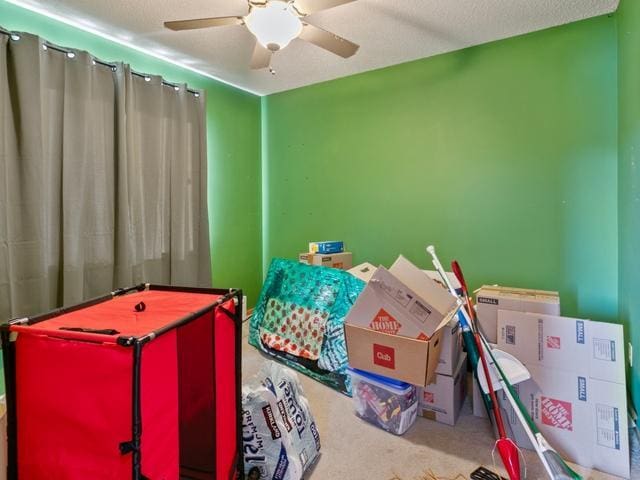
[442,400]
[402,301]
[395,327]
[451,349]
[577,393]
[594,349]
[511,422]
[406,359]
[326,247]
[364,271]
[584,419]
[342,261]
[490,299]
[477,405]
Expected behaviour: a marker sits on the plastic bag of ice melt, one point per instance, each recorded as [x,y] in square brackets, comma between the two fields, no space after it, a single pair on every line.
[268,451]
[294,411]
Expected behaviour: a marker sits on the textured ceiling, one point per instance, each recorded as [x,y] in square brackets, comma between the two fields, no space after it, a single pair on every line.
[388,31]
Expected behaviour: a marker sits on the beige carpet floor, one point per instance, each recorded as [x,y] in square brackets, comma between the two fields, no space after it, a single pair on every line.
[355,450]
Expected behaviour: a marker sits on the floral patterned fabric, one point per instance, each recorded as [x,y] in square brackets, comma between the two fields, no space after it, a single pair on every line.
[299,319]
[294,329]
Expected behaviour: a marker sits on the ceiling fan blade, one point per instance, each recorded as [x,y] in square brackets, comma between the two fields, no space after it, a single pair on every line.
[328,41]
[203,23]
[306,7]
[261,57]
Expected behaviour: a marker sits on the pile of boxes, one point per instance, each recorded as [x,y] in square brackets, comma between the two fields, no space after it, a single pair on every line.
[405,351]
[442,400]
[327,254]
[404,327]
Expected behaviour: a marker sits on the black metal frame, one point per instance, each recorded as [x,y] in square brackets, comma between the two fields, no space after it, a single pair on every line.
[134,446]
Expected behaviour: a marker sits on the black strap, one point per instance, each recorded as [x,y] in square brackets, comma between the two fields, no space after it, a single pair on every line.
[126,448]
[104,331]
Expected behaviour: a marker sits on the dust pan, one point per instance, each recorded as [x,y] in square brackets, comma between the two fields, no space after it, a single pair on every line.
[514,370]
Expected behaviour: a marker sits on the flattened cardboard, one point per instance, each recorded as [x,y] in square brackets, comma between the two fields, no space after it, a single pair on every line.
[592,348]
[584,419]
[490,299]
[410,360]
[577,392]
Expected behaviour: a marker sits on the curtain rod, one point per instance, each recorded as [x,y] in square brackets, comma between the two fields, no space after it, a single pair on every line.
[112,66]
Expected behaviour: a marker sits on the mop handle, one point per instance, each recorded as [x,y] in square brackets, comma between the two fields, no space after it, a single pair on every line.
[492,393]
[467,333]
[431,250]
[525,421]
[485,367]
[455,266]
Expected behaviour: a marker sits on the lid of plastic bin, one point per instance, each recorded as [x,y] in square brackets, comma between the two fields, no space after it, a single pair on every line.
[390,382]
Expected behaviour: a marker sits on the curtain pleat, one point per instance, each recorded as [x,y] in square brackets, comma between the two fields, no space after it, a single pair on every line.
[102,179]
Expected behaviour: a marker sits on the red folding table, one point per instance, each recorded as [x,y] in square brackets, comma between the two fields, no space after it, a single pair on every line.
[143,383]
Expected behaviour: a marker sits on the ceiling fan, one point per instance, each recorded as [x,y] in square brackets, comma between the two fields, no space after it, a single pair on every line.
[275,23]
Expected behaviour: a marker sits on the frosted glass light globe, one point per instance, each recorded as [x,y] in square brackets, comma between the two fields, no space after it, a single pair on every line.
[274,25]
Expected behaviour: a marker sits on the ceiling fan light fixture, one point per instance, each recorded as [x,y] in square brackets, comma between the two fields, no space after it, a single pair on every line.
[274,25]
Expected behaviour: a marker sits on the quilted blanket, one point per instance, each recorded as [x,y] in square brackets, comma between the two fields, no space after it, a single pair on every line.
[299,319]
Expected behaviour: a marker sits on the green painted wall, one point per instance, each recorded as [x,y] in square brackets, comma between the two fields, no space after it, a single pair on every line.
[504,155]
[629,178]
[233,119]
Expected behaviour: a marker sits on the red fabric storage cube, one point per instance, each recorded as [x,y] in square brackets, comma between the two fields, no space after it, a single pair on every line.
[143,383]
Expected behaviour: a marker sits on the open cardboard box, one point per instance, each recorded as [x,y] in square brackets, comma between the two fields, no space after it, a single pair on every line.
[395,327]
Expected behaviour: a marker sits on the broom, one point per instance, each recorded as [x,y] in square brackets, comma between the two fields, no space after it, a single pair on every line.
[556,467]
[506,447]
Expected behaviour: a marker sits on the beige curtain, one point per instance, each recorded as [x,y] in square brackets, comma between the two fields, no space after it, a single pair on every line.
[102,179]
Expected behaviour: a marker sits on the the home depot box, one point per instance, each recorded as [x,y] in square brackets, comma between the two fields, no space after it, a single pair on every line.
[584,419]
[490,299]
[577,395]
[451,349]
[343,261]
[442,400]
[395,327]
[595,349]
